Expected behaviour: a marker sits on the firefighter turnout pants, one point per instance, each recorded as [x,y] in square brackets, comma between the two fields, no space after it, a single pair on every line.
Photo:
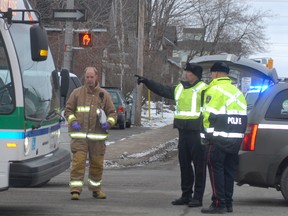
[95,151]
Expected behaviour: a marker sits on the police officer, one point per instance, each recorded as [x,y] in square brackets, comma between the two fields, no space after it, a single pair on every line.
[90,113]
[187,95]
[224,124]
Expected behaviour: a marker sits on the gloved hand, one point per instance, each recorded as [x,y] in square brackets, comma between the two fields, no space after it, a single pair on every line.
[204,141]
[140,79]
[105,125]
[76,125]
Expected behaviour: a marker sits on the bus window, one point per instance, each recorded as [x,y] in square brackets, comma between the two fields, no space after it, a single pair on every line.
[6,87]
[40,94]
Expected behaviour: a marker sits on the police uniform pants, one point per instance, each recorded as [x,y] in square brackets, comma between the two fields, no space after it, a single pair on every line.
[96,151]
[191,151]
[222,169]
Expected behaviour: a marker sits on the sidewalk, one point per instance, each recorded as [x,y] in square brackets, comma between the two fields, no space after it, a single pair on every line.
[142,148]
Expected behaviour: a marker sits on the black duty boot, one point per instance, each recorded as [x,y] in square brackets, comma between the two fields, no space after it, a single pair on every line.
[229,209]
[195,203]
[181,201]
[214,210]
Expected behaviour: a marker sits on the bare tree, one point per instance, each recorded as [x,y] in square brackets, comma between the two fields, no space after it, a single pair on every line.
[228,26]
[160,15]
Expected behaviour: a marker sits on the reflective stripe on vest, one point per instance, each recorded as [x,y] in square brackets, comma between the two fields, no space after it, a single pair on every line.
[232,98]
[224,134]
[193,111]
[228,135]
[94,183]
[80,135]
[76,183]
[224,111]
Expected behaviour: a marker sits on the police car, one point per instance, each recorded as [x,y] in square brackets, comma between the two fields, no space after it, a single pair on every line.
[263,159]
[252,95]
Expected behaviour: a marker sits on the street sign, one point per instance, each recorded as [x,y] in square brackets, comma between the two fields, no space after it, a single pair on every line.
[78,15]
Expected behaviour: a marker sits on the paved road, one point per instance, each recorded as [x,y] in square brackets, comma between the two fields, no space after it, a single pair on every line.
[135,191]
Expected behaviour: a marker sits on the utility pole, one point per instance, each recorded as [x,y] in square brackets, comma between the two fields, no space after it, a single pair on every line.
[68,39]
[141,15]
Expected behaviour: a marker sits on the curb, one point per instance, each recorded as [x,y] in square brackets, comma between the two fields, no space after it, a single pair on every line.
[158,153]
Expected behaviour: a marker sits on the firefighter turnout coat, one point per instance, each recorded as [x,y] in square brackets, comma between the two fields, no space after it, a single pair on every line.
[83,106]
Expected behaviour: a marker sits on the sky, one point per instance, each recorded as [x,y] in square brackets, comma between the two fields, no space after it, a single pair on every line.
[276,32]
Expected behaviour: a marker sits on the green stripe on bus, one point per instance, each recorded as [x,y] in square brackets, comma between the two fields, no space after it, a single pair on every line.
[16,120]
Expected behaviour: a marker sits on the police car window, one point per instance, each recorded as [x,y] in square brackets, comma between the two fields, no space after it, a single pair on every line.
[278,108]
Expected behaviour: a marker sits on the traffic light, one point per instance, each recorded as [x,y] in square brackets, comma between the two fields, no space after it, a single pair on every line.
[269,63]
[85,40]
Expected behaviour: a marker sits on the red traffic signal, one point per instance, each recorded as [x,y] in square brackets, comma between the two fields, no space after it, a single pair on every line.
[85,40]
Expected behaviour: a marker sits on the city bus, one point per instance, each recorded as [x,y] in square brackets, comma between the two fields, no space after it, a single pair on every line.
[30,95]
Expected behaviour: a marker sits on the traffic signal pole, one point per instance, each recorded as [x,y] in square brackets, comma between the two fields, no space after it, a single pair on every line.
[68,39]
[140,59]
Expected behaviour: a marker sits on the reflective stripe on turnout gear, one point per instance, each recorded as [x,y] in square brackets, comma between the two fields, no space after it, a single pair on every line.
[111,120]
[81,135]
[82,108]
[94,183]
[86,109]
[76,183]
[71,118]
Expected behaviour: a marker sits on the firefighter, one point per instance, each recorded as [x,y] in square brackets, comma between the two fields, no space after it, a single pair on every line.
[224,125]
[90,113]
[187,95]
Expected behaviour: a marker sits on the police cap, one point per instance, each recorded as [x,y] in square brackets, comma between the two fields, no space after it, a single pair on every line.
[194,68]
[220,67]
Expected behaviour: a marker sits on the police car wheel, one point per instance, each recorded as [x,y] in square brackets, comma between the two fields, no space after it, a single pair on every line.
[284,184]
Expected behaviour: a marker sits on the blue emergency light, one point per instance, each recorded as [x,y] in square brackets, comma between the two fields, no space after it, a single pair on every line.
[258,88]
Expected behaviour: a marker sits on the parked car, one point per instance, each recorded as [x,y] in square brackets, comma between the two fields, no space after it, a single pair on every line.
[122,106]
[263,158]
[264,154]
[74,82]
